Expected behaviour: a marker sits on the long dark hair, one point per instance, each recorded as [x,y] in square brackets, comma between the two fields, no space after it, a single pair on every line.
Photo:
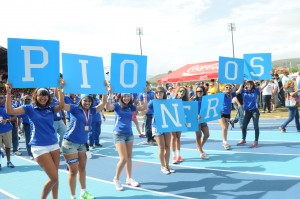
[123,105]
[203,90]
[161,89]
[186,95]
[43,92]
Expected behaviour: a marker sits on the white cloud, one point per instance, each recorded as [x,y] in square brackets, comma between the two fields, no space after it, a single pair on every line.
[176,32]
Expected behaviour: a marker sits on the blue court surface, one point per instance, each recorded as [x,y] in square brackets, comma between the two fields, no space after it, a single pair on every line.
[270,171]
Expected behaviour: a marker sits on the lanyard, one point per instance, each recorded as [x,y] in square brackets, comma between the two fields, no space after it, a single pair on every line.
[86,117]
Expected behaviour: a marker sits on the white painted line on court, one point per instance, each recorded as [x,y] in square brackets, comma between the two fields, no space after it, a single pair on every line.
[8,194]
[209,169]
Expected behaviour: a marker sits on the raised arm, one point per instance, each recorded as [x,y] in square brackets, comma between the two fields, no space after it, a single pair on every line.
[109,106]
[9,109]
[239,89]
[103,103]
[264,85]
[144,105]
[60,93]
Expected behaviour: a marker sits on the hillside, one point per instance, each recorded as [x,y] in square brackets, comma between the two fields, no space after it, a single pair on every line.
[293,63]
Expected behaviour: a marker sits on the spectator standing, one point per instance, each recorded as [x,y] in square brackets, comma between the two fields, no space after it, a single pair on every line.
[149,113]
[291,94]
[94,136]
[212,89]
[23,121]
[267,93]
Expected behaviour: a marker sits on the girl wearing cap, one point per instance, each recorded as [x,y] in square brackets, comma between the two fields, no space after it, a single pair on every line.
[202,127]
[74,146]
[123,135]
[182,93]
[163,139]
[226,111]
[44,143]
[250,94]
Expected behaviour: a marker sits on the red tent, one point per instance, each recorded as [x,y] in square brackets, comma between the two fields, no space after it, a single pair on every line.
[193,72]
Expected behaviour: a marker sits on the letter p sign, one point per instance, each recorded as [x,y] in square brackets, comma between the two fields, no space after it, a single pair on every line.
[33,63]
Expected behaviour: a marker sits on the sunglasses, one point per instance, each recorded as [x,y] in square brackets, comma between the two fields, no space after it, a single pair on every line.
[199,91]
[159,92]
[181,91]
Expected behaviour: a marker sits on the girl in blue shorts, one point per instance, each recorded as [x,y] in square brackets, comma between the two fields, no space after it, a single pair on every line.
[202,127]
[123,135]
[75,145]
[163,140]
[43,141]
[226,111]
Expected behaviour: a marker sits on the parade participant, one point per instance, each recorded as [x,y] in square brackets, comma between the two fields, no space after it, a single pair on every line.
[226,111]
[123,135]
[250,94]
[75,143]
[44,146]
[163,139]
[182,93]
[202,127]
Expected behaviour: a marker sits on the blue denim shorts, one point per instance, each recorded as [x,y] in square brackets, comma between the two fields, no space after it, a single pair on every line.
[122,137]
[69,147]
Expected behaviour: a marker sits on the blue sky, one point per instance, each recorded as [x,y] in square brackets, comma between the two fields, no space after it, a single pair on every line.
[176,32]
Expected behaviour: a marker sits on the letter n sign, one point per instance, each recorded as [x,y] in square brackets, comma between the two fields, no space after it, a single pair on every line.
[33,63]
[169,115]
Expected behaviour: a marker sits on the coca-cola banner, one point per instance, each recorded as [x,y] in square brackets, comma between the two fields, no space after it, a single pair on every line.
[193,72]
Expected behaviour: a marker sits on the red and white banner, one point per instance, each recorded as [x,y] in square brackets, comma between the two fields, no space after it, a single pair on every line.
[193,72]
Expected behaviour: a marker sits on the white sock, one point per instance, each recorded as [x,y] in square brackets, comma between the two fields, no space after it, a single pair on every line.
[174,154]
[73,197]
[224,142]
[83,190]
[178,152]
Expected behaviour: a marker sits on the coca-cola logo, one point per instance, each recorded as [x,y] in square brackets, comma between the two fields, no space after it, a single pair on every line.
[201,68]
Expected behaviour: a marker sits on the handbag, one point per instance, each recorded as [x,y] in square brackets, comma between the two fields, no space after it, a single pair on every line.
[291,101]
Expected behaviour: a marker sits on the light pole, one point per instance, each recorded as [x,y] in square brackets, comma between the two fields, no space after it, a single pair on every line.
[231,28]
[139,32]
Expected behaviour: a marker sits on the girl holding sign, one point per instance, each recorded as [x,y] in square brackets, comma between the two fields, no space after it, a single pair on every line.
[200,91]
[250,94]
[225,117]
[74,146]
[163,139]
[44,144]
[182,93]
[123,135]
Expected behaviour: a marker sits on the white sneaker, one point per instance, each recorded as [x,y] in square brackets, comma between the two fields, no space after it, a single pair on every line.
[171,170]
[165,170]
[204,156]
[118,185]
[132,182]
